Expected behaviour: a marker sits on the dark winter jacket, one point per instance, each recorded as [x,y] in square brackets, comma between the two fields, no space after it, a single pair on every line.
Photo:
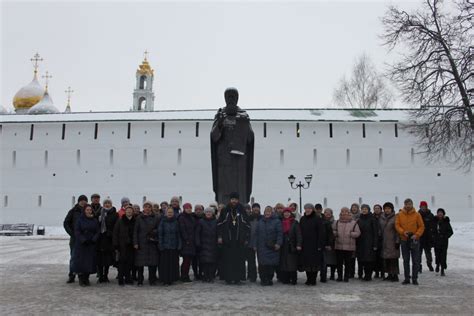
[144,235]
[70,221]
[426,239]
[268,234]
[206,240]
[443,231]
[330,254]
[86,233]
[368,239]
[390,237]
[105,239]
[187,229]
[253,222]
[168,234]
[314,239]
[288,252]
[123,237]
[96,208]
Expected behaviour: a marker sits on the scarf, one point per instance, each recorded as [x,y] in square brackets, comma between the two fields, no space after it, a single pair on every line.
[103,215]
[287,222]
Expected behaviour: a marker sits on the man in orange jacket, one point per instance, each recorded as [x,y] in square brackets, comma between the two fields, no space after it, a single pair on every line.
[410,227]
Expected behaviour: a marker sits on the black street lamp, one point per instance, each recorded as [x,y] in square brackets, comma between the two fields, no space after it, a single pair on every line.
[300,185]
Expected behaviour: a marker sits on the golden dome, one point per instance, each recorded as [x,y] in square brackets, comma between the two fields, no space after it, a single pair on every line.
[145,69]
[29,95]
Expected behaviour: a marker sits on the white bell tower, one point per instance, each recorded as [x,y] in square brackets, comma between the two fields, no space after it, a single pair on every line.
[143,95]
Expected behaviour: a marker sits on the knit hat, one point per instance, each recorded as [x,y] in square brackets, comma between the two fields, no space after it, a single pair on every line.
[441,210]
[125,200]
[388,204]
[82,198]
[256,205]
[234,195]
[187,205]
[365,206]
[318,206]
[287,209]
[309,205]
[95,195]
[209,210]
[423,203]
[146,203]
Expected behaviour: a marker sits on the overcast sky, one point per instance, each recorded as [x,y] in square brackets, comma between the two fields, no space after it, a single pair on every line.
[281,54]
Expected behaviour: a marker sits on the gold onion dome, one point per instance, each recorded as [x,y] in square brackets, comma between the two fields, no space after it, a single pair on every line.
[29,95]
[144,68]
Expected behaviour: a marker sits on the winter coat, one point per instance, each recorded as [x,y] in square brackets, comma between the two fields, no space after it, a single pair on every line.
[330,255]
[70,222]
[168,234]
[253,222]
[368,239]
[96,208]
[187,229]
[426,239]
[345,233]
[390,237]
[105,239]
[144,235]
[409,222]
[314,239]
[86,233]
[442,232]
[206,240]
[288,251]
[123,237]
[268,234]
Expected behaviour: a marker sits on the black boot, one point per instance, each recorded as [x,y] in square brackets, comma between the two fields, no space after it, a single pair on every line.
[72,278]
[430,266]
[81,280]
[394,278]
[437,268]
[442,272]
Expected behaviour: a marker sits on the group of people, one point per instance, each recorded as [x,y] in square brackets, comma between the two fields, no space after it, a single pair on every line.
[227,242]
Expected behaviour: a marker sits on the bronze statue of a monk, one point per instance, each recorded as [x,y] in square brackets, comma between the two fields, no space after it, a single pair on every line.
[232,147]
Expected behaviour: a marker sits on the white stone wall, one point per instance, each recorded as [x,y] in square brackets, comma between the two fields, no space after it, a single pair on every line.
[41,177]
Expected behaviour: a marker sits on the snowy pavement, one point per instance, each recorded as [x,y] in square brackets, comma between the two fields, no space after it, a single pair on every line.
[33,271]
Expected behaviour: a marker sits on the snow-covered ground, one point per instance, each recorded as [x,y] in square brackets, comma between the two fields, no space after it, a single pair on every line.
[33,271]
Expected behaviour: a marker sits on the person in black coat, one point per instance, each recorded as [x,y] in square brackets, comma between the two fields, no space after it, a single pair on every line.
[442,232]
[69,226]
[86,232]
[123,245]
[378,266]
[170,244]
[233,234]
[426,240]
[329,245]
[367,242]
[291,247]
[146,244]
[206,240]
[187,229]
[314,235]
[105,250]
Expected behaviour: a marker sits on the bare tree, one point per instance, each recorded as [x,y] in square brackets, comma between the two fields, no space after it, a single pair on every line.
[436,75]
[365,89]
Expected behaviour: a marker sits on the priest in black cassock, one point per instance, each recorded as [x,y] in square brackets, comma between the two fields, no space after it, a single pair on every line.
[233,233]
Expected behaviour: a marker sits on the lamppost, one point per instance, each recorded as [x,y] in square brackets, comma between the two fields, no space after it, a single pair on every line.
[300,185]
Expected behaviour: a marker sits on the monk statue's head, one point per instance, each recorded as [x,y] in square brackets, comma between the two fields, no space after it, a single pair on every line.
[231,96]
